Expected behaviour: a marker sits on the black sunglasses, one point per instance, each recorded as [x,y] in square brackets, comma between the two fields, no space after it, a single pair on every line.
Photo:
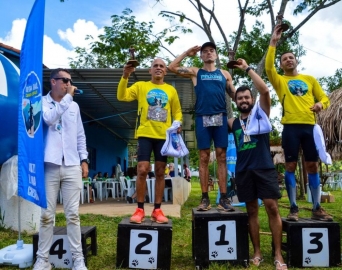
[65,80]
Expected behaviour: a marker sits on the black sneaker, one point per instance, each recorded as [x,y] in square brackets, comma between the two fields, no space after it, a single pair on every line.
[129,199]
[293,215]
[204,205]
[225,205]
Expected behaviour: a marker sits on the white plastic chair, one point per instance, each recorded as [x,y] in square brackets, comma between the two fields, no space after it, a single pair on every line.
[126,187]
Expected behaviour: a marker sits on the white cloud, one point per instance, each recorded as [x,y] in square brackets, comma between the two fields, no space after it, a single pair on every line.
[77,35]
[54,54]
[14,38]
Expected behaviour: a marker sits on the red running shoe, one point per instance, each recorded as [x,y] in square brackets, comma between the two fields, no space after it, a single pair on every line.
[138,216]
[158,216]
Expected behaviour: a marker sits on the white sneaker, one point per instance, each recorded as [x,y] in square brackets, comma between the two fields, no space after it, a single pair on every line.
[79,264]
[42,264]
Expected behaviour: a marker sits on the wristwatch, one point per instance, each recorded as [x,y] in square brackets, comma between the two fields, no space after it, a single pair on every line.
[86,161]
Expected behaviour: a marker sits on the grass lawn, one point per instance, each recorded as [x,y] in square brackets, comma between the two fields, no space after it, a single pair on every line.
[181,242]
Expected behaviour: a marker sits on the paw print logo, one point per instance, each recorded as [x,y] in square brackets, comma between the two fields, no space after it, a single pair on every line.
[151,260]
[135,262]
[66,262]
[307,260]
[230,250]
[53,265]
[214,254]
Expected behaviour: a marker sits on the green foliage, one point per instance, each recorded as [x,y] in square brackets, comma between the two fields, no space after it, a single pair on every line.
[331,83]
[111,48]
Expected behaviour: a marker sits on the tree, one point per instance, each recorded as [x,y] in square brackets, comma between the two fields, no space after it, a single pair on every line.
[207,20]
[111,50]
[331,83]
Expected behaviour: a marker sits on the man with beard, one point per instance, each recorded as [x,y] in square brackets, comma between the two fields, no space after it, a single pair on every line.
[153,119]
[255,174]
[301,97]
[211,85]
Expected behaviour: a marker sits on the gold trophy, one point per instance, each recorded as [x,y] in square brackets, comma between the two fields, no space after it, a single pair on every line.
[284,26]
[132,61]
[231,64]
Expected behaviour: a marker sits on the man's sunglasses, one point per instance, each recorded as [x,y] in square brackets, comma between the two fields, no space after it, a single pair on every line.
[65,80]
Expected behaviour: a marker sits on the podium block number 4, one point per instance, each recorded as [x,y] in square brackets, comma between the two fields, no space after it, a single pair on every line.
[315,247]
[60,255]
[143,249]
[222,240]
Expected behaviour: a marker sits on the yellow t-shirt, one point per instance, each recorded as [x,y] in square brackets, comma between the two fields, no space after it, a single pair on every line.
[158,106]
[296,94]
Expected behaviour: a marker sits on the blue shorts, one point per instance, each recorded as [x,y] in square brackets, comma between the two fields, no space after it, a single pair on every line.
[218,134]
[295,135]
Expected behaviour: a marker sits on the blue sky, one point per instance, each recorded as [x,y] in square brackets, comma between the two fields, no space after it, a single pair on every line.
[67,24]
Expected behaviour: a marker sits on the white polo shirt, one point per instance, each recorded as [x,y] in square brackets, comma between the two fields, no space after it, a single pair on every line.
[64,135]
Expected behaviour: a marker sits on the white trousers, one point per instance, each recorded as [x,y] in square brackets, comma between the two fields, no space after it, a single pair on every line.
[69,180]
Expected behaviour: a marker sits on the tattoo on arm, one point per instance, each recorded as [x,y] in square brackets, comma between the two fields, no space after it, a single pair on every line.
[183,70]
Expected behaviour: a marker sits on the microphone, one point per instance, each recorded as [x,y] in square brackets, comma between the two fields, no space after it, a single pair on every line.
[78,91]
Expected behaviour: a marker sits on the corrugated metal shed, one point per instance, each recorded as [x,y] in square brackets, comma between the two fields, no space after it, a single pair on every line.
[100,106]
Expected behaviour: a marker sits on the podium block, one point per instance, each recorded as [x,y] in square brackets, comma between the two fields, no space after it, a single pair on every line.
[312,243]
[220,237]
[144,246]
[60,255]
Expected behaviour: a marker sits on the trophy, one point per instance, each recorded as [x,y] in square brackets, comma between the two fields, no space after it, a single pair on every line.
[231,64]
[132,61]
[284,26]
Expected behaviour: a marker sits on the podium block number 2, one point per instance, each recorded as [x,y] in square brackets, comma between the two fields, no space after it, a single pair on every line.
[315,247]
[60,255]
[222,240]
[143,249]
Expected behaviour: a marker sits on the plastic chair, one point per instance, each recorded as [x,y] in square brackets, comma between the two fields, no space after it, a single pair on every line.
[126,187]
[166,193]
[113,186]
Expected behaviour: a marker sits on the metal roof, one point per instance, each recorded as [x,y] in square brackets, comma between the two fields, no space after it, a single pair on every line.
[99,105]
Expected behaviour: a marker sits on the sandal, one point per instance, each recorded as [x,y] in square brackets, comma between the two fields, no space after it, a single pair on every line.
[279,265]
[256,261]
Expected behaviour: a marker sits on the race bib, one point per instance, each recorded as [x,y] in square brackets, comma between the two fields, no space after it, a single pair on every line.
[212,120]
[157,114]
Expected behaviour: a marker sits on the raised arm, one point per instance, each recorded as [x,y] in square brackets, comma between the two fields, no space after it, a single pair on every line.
[265,99]
[124,93]
[229,84]
[187,72]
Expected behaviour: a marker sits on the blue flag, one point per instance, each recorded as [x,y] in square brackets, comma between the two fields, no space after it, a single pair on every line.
[31,184]
[231,156]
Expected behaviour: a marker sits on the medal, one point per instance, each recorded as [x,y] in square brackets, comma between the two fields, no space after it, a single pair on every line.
[246,138]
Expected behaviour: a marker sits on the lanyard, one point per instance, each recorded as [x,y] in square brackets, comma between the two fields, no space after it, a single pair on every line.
[58,126]
[246,138]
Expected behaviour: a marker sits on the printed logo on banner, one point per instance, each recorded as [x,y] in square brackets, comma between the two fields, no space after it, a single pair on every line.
[31,103]
[315,247]
[143,249]
[60,254]
[222,240]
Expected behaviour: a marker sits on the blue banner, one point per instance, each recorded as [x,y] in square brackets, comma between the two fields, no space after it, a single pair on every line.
[31,184]
[231,156]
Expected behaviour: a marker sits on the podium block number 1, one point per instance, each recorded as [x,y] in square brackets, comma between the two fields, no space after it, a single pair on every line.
[315,247]
[143,249]
[222,240]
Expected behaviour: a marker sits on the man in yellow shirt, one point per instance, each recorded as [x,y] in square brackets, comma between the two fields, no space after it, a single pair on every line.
[158,105]
[301,97]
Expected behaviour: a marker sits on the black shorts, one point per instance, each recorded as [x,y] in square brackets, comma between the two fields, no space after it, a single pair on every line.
[296,135]
[145,147]
[257,184]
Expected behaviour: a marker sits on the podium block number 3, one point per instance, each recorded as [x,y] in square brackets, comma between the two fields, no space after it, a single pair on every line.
[315,247]
[222,240]
[60,255]
[143,249]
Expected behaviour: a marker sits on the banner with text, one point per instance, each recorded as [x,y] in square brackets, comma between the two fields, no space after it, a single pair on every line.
[30,128]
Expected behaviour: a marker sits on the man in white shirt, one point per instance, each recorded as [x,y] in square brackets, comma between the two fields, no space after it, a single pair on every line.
[65,149]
